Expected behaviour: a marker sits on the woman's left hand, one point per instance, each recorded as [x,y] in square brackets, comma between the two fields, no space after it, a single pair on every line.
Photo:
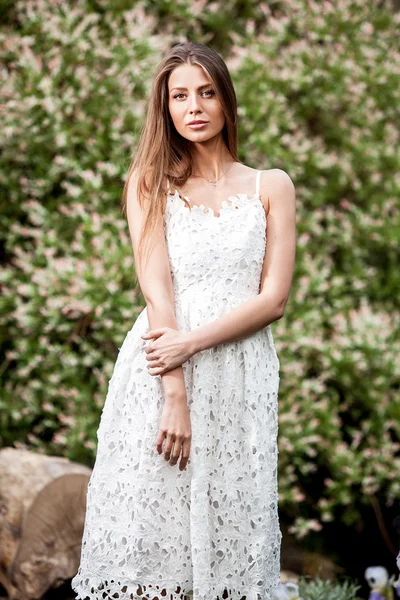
[168,349]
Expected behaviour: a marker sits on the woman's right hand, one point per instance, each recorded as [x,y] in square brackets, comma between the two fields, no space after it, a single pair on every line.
[176,429]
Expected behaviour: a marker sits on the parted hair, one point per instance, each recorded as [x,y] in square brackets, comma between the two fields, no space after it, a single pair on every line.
[162,153]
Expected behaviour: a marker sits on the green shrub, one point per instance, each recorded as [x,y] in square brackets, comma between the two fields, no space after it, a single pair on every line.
[318,98]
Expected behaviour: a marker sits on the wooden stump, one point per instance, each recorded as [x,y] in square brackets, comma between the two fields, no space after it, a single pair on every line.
[42,513]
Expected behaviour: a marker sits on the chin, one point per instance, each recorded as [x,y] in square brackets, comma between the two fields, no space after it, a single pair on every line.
[195,135]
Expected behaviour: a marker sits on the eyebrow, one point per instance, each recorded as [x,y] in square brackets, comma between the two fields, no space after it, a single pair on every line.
[199,88]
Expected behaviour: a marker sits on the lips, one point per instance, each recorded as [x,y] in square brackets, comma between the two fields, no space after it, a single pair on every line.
[197,122]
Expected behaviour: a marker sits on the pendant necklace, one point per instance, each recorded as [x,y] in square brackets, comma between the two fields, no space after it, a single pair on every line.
[214,181]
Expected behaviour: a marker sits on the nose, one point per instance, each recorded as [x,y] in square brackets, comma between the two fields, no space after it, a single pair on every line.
[194,103]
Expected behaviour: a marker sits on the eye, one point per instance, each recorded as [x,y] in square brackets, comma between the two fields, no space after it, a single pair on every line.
[204,92]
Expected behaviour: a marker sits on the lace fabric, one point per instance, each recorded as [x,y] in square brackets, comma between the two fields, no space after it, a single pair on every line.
[210,532]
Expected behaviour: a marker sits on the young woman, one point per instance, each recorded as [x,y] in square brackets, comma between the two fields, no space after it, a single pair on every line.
[183,498]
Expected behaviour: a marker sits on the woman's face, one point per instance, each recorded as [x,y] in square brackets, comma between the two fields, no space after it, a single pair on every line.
[192,97]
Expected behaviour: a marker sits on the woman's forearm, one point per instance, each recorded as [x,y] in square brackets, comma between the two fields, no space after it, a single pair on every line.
[162,314]
[244,320]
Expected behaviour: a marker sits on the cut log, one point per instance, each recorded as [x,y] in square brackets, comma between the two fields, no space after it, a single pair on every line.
[42,513]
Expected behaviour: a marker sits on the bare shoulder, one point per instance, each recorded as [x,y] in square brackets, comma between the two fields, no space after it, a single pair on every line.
[277,190]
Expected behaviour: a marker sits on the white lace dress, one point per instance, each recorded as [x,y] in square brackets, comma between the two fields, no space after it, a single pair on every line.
[211,531]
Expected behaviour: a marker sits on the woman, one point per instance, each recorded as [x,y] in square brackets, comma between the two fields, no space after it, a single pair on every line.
[183,499]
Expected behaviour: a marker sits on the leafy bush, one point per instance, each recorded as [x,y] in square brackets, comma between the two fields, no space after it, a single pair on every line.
[318,98]
[323,104]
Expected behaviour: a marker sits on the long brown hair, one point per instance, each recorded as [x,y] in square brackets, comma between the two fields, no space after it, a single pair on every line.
[162,152]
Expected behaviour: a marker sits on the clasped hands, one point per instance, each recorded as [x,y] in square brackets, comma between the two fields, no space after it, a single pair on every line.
[169,349]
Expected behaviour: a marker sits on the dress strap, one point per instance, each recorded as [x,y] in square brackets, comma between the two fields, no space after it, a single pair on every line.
[258,183]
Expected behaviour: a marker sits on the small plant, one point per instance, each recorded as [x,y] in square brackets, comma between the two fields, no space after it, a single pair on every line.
[319,589]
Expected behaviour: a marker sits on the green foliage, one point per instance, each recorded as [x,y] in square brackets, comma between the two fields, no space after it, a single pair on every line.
[320,589]
[323,105]
[318,98]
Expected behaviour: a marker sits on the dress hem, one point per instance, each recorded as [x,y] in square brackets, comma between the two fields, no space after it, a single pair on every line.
[110,589]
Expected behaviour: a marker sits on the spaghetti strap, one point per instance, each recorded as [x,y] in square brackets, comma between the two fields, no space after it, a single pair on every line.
[258,183]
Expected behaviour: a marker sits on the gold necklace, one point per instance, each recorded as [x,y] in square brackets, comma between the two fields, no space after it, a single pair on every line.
[214,181]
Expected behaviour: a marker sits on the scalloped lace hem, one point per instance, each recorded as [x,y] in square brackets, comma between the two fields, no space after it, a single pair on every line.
[93,588]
